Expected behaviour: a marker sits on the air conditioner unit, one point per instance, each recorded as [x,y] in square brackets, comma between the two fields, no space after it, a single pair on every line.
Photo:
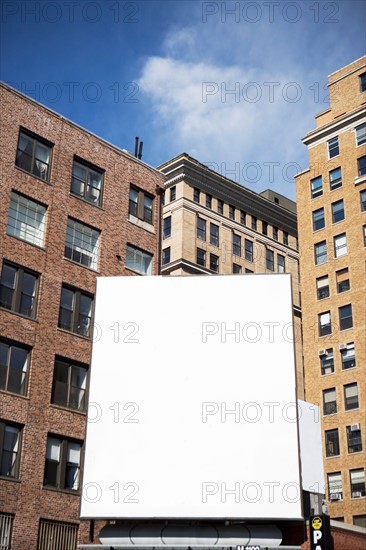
[343,346]
[335,496]
[356,494]
[322,352]
[355,427]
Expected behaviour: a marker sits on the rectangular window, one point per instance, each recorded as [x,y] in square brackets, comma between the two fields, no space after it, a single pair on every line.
[82,244]
[6,528]
[269,260]
[14,366]
[208,200]
[248,250]
[322,287]
[362,78]
[87,183]
[57,535]
[26,219]
[348,357]
[173,193]
[201,257]
[331,442]
[214,263]
[62,468]
[166,255]
[281,263]
[361,134]
[354,439]
[275,233]
[333,147]
[10,443]
[231,212]
[285,238]
[324,323]
[201,229]
[357,479]
[318,219]
[167,227]
[345,317]
[236,245]
[214,234]
[265,228]
[237,268]
[361,166]
[196,194]
[320,251]
[335,486]
[335,179]
[337,211]
[360,520]
[342,280]
[243,217]
[351,396]
[141,205]
[220,206]
[327,362]
[76,311]
[34,155]
[139,261]
[329,401]
[316,185]
[69,385]
[254,223]
[340,245]
[248,271]
[18,290]
[363,200]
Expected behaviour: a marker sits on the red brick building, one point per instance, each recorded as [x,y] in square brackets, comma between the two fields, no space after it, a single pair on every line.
[73,207]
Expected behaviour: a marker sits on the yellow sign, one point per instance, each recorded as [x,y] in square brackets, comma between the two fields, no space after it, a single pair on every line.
[317,523]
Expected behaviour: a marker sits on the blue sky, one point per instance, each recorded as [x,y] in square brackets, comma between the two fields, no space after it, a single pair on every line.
[234,84]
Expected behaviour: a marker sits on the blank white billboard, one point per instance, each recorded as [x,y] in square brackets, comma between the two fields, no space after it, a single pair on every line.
[192,403]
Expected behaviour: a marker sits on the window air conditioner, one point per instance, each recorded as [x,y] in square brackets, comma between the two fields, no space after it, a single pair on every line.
[356,494]
[343,346]
[335,496]
[322,352]
[355,427]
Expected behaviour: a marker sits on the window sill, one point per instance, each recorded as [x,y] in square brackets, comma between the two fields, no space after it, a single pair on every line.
[39,247]
[360,179]
[64,491]
[68,409]
[86,202]
[13,394]
[141,223]
[18,314]
[7,478]
[81,265]
[32,175]
[330,457]
[70,333]
[137,272]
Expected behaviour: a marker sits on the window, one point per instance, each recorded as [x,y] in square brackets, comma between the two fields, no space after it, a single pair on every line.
[335,486]
[14,362]
[269,260]
[236,245]
[237,268]
[337,211]
[318,219]
[265,228]
[137,260]
[342,280]
[335,178]
[173,193]
[18,290]
[362,78]
[340,245]
[62,468]
[327,362]
[254,223]
[26,219]
[361,165]
[231,212]
[201,257]
[214,263]
[10,442]
[141,205]
[354,439]
[34,155]
[201,229]
[348,357]
[333,147]
[196,194]
[360,520]
[331,443]
[275,233]
[285,238]
[320,250]
[324,323]
[57,535]
[6,527]
[69,385]
[166,255]
[248,270]
[87,183]
[167,227]
[361,134]
[351,396]
[76,310]
[280,263]
[243,217]
[316,185]
[363,200]
[208,200]
[214,234]
[82,244]
[220,206]
[322,287]
[248,250]
[329,401]
[345,317]
[357,479]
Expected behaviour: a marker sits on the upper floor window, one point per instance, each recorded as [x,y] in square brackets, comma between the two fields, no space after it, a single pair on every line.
[141,205]
[320,251]
[237,268]
[269,259]
[285,238]
[363,200]
[201,257]
[208,200]
[243,217]
[345,317]
[18,289]
[322,287]
[196,194]
[214,263]
[166,255]
[14,362]
[327,361]
[316,186]
[357,480]
[324,323]
[318,219]
[275,233]
[361,134]
[214,234]
[280,263]
[335,178]
[340,245]
[335,486]
[34,155]
[139,261]
[87,183]
[236,245]
[248,250]
[220,206]
[351,396]
[337,211]
[26,219]
[362,78]
[361,166]
[329,401]
[354,439]
[231,212]
[69,385]
[167,227]
[333,147]
[254,223]
[201,229]
[348,356]
[173,193]
[331,442]
[265,228]
[76,311]
[10,442]
[62,468]
[82,244]
[342,280]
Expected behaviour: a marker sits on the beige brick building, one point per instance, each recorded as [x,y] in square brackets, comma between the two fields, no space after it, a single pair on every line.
[331,199]
[214,225]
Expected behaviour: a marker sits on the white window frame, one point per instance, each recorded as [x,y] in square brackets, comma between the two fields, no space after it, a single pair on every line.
[83,240]
[340,245]
[138,260]
[32,229]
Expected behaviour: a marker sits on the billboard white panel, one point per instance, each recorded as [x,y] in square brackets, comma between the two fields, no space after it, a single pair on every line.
[192,398]
[312,466]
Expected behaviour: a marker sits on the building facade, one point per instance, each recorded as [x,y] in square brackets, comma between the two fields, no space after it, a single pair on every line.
[331,198]
[73,207]
[214,225]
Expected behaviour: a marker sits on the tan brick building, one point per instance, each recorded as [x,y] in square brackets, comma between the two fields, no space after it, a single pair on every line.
[331,199]
[214,225]
[73,207]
